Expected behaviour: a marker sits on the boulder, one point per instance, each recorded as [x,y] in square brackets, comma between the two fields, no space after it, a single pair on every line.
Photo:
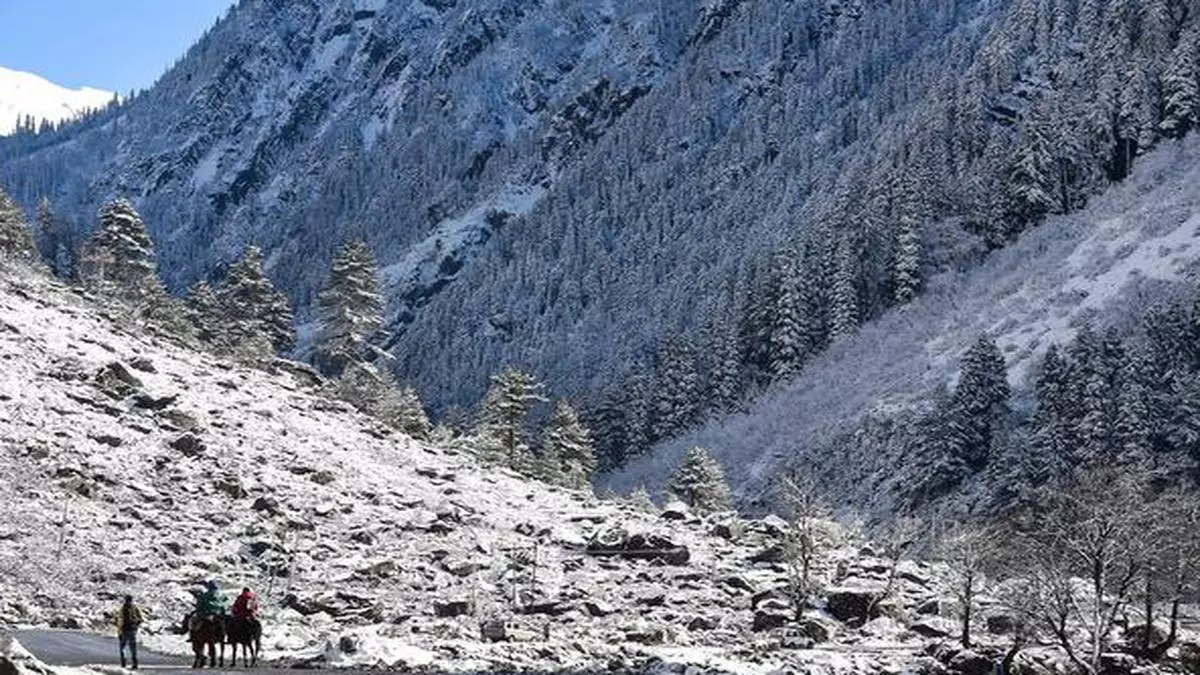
[702,623]
[729,530]
[450,608]
[493,630]
[771,554]
[737,582]
[780,595]
[813,630]
[178,419]
[932,607]
[188,445]
[769,617]
[647,636]
[852,606]
[1116,664]
[143,364]
[116,381]
[266,504]
[348,644]
[1001,624]
[675,510]
[147,401]
[618,543]
[968,662]
[598,608]
[928,629]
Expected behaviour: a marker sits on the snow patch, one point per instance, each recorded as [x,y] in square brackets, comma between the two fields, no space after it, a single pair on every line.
[23,94]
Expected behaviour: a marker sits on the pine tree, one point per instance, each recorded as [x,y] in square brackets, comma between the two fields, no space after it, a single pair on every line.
[120,255]
[906,265]
[54,241]
[506,407]
[16,240]
[375,392]
[1181,88]
[1133,431]
[725,374]
[252,307]
[567,447]
[350,309]
[677,396]
[844,315]
[640,499]
[1031,180]
[203,309]
[786,341]
[1051,451]
[700,482]
[980,404]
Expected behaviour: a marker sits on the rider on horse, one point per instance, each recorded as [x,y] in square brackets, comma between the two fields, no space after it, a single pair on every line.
[209,604]
[246,605]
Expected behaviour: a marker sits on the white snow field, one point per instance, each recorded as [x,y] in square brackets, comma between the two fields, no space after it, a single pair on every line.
[24,94]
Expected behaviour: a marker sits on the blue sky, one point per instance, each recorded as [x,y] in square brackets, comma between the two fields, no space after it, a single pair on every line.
[107,44]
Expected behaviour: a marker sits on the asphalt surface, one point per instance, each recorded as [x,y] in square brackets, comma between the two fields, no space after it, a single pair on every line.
[74,648]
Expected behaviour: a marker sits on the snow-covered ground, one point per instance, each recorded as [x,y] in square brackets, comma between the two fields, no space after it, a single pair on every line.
[23,94]
[135,465]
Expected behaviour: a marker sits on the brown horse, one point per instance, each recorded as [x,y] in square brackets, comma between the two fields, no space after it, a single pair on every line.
[248,634]
[207,632]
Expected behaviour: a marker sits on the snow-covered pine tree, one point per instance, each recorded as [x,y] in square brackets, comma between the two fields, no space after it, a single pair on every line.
[1133,432]
[677,395]
[1181,87]
[350,309]
[501,433]
[607,420]
[1050,454]
[700,482]
[567,447]
[55,242]
[906,264]
[252,307]
[1031,181]
[787,344]
[725,372]
[120,255]
[641,500]
[203,310]
[980,403]
[375,392]
[16,239]
[844,310]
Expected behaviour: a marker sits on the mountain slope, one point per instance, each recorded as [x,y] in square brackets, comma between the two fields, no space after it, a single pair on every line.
[1136,246]
[27,95]
[132,464]
[595,154]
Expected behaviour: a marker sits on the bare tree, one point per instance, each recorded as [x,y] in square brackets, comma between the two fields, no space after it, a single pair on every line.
[1175,561]
[806,510]
[896,539]
[1084,548]
[967,551]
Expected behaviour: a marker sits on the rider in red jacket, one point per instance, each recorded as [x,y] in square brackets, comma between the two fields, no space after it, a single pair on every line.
[246,605]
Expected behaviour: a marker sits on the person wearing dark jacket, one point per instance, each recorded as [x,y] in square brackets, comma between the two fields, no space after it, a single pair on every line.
[129,620]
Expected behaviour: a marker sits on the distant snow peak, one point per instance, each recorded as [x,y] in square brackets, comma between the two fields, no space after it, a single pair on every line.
[26,94]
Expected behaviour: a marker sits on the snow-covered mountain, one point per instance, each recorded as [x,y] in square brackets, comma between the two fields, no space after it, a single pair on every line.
[598,192]
[26,95]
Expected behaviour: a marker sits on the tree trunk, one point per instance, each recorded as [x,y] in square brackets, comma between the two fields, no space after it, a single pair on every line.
[968,588]
[1149,612]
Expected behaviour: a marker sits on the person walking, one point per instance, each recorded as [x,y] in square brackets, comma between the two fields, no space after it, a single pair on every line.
[129,620]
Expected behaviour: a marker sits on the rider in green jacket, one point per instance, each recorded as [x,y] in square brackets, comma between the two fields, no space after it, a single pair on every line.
[209,603]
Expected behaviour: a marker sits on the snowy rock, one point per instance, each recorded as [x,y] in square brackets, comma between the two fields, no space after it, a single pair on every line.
[1001,624]
[598,608]
[115,380]
[189,445]
[675,510]
[143,364]
[266,504]
[771,615]
[451,608]
[852,606]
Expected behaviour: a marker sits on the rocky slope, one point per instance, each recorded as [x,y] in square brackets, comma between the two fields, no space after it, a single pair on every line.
[132,464]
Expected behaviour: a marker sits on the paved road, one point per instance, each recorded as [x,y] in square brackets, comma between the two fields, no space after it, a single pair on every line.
[73,648]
